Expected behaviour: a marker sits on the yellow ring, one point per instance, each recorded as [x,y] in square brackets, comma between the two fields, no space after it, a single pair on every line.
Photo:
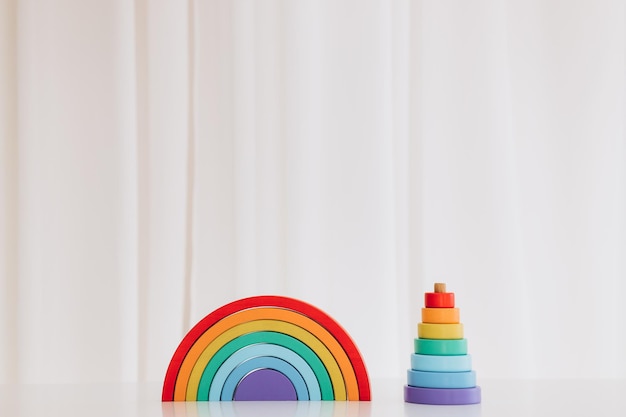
[440,331]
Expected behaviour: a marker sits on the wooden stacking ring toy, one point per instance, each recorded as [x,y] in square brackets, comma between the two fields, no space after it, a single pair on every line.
[441,370]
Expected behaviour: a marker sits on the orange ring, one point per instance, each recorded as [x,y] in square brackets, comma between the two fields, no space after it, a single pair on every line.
[439,299]
[441,315]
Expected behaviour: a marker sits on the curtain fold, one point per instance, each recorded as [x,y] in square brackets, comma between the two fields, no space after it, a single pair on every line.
[160,159]
[8,189]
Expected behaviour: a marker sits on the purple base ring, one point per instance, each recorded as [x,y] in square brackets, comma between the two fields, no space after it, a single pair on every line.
[442,396]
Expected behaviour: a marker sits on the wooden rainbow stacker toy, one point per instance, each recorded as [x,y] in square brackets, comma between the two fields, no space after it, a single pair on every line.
[266,348]
[441,370]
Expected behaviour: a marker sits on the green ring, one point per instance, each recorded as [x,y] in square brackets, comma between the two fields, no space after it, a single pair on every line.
[441,347]
[275,338]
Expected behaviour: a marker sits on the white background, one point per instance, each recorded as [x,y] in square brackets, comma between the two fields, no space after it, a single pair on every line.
[162,158]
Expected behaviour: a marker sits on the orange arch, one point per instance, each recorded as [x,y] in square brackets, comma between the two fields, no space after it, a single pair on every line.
[196,360]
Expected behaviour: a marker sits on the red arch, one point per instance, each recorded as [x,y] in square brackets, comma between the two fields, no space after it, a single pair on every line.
[268,301]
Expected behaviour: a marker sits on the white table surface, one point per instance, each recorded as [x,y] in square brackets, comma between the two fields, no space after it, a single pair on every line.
[508,398]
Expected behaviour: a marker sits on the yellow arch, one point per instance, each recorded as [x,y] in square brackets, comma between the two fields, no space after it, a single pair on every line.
[339,388]
[265,313]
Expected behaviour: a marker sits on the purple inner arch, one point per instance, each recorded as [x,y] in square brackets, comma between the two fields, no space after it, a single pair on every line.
[265,385]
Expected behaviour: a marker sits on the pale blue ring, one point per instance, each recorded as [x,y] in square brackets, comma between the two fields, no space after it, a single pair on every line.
[441,379]
[433,363]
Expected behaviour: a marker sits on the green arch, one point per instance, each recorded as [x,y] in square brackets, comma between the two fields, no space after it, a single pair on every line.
[276,338]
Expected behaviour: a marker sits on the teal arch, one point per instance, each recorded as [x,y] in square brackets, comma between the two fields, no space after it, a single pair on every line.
[276,338]
[259,350]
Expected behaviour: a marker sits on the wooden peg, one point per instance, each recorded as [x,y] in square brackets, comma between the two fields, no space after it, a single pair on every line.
[440,287]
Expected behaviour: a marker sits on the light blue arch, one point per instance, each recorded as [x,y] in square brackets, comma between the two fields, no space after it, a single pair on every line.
[264,362]
[269,350]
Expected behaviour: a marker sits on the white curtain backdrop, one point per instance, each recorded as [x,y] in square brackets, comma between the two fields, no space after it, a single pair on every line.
[161,158]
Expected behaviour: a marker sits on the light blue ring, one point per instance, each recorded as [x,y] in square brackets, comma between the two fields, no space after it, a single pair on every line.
[441,379]
[433,363]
